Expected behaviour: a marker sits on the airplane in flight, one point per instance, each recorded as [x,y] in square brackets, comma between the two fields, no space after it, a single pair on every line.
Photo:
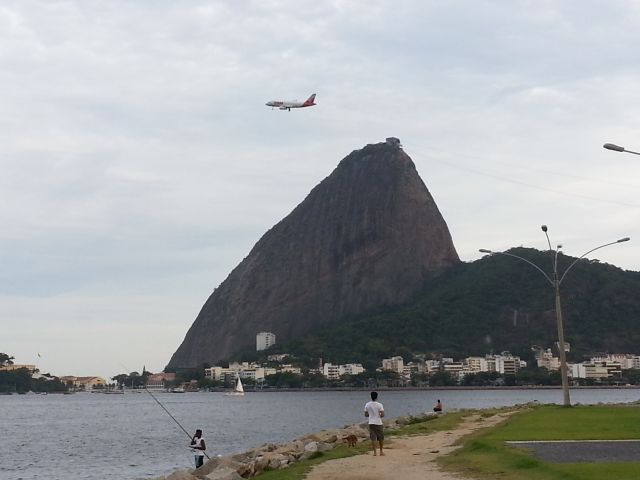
[285,105]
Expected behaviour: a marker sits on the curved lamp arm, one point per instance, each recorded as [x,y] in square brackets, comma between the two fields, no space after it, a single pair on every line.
[483,250]
[626,239]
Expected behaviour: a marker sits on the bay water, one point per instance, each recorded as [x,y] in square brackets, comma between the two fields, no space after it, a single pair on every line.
[95,436]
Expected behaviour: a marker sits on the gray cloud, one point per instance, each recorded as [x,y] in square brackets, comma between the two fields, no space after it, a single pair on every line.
[139,163]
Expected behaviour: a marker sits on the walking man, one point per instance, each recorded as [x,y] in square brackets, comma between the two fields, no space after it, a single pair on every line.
[374,411]
[198,447]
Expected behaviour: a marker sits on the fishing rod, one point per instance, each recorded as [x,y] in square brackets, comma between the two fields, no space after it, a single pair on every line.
[173,418]
[169,413]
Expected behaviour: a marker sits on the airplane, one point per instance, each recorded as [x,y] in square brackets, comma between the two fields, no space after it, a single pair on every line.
[285,105]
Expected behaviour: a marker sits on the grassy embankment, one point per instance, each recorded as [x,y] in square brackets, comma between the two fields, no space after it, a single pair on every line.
[485,455]
[298,470]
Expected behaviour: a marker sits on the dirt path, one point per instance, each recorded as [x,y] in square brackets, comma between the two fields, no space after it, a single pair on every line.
[406,458]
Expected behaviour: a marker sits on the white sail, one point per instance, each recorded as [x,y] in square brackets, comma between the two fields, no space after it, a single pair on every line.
[237,390]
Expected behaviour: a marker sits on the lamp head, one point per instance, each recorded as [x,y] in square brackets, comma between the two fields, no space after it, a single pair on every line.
[559,246]
[614,147]
[544,228]
[484,250]
[625,239]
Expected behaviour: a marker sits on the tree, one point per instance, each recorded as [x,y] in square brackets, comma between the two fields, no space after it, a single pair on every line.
[120,379]
[5,359]
[441,379]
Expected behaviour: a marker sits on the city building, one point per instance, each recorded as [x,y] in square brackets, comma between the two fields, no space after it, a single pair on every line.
[84,383]
[393,364]
[507,364]
[334,372]
[545,359]
[158,381]
[265,340]
[476,364]
[352,369]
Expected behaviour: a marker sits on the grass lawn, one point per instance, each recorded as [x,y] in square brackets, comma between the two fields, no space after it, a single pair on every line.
[486,456]
[297,471]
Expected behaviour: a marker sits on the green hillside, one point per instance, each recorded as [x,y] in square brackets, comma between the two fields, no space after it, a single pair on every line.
[493,304]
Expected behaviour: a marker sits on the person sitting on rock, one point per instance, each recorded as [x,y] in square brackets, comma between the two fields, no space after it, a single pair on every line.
[438,407]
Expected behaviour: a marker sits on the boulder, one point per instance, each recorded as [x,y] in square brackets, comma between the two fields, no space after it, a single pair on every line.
[223,473]
[323,447]
[181,475]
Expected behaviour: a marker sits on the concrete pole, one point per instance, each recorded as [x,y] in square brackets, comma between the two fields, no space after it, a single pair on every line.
[563,357]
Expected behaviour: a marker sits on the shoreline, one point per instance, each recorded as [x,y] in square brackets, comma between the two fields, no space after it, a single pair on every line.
[279,457]
[425,389]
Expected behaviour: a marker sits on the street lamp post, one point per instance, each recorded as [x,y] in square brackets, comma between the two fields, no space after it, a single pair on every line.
[617,148]
[555,281]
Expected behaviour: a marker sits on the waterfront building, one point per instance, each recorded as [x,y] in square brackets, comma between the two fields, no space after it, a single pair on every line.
[84,383]
[393,364]
[625,360]
[265,340]
[158,381]
[332,372]
[507,364]
[352,368]
[476,364]
[596,370]
[545,359]
[453,368]
[290,369]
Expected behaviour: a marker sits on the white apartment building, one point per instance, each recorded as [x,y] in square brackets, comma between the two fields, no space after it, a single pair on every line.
[545,359]
[507,364]
[476,364]
[244,370]
[625,360]
[265,340]
[393,364]
[334,372]
[352,368]
[290,369]
[454,369]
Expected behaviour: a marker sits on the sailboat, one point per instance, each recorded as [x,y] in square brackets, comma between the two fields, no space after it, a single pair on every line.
[238,390]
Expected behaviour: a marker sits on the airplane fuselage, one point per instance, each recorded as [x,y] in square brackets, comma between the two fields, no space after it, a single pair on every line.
[288,105]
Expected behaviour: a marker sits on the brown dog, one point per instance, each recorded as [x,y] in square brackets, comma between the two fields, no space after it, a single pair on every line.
[350,440]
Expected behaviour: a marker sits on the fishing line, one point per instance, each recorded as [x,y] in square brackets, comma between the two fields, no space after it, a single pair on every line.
[168,413]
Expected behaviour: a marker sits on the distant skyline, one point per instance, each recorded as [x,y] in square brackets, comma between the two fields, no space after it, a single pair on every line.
[140,163]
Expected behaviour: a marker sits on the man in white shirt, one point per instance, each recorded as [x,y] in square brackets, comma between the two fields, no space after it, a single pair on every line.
[198,447]
[374,411]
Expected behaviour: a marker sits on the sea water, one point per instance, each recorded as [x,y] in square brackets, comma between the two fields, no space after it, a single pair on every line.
[96,436]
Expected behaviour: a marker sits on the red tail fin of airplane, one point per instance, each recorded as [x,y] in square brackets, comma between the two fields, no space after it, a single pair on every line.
[310,101]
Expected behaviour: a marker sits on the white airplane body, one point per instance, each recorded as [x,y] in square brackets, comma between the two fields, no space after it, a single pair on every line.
[286,105]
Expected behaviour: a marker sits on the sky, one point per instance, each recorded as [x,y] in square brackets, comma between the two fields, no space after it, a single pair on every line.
[139,163]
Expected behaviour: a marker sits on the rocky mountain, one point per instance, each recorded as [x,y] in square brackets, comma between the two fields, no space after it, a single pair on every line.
[368,236]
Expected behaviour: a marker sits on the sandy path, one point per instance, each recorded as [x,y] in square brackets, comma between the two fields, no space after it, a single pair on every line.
[406,458]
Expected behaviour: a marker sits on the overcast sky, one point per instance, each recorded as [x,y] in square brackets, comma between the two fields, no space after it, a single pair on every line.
[139,164]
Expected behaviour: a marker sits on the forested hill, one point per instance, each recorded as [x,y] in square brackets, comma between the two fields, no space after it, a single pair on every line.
[493,304]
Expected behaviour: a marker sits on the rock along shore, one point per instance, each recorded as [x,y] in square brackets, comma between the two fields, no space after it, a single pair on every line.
[278,456]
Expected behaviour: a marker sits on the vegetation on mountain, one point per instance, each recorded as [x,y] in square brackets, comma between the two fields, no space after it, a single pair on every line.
[493,304]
